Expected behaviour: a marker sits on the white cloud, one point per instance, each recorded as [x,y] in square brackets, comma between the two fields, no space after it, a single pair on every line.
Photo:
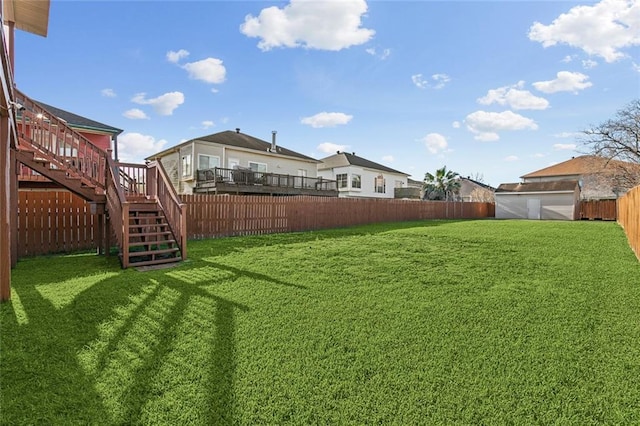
[323,25]
[388,159]
[108,93]
[455,124]
[511,158]
[602,29]
[538,155]
[382,55]
[207,124]
[164,104]
[135,114]
[209,70]
[175,57]
[214,90]
[566,81]
[514,97]
[485,125]
[435,142]
[588,64]
[564,146]
[327,119]
[566,135]
[331,148]
[568,58]
[636,67]
[438,81]
[135,147]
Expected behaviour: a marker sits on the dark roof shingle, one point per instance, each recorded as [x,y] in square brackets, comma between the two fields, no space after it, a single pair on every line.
[75,120]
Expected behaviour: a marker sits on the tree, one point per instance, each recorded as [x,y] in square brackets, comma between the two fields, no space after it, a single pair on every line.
[619,139]
[444,185]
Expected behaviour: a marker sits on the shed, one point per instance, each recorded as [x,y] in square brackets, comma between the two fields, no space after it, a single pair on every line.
[558,200]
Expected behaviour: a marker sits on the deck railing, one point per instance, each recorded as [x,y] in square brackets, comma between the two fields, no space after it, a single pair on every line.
[223,176]
[174,210]
[63,147]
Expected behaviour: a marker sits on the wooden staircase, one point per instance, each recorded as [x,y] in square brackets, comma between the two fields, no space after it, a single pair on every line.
[139,203]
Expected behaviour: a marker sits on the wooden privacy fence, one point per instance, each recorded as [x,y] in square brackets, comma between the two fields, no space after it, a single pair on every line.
[226,215]
[54,221]
[629,217]
[598,209]
[59,221]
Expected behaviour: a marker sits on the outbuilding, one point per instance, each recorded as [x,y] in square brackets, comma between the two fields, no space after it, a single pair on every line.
[538,200]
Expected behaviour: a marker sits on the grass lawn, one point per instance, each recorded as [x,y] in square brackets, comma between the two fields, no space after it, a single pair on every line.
[467,322]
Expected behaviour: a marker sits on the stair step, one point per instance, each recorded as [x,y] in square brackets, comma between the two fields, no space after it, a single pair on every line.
[153,252]
[151,243]
[150,234]
[156,262]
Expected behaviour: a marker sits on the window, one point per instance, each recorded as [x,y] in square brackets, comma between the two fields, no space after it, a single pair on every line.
[186,166]
[379,185]
[342,180]
[302,172]
[206,162]
[258,167]
[356,181]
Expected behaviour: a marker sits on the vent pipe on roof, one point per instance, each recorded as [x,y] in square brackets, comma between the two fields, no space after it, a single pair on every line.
[237,129]
[273,140]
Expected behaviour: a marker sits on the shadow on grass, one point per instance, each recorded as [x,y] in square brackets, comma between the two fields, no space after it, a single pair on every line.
[66,362]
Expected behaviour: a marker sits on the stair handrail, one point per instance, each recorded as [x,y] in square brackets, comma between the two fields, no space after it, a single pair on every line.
[174,209]
[118,208]
[64,147]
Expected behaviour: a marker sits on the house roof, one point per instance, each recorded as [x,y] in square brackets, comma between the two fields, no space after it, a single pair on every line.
[29,15]
[78,121]
[475,182]
[240,140]
[342,159]
[585,164]
[551,186]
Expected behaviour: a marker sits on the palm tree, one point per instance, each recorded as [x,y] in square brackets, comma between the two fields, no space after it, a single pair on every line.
[444,185]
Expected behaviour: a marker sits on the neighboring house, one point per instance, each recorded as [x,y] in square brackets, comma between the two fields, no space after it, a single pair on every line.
[470,191]
[234,162]
[101,135]
[538,200]
[359,177]
[475,191]
[599,178]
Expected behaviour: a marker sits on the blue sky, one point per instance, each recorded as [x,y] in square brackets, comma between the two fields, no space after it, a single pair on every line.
[491,88]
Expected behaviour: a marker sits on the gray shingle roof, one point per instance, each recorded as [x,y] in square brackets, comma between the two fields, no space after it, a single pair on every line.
[79,121]
[241,140]
[354,160]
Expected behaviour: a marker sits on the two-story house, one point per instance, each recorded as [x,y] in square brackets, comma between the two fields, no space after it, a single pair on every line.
[359,177]
[237,163]
[599,177]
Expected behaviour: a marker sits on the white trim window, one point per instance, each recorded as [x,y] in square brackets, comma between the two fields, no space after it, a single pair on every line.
[258,167]
[341,179]
[379,185]
[356,181]
[186,166]
[207,162]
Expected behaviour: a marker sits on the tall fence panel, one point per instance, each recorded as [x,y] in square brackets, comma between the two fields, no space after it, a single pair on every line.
[59,221]
[54,221]
[212,216]
[598,209]
[629,217]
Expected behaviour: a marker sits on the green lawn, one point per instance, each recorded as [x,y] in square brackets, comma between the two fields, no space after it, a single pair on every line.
[467,322]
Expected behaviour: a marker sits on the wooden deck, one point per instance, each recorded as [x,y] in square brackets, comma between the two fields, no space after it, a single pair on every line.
[247,182]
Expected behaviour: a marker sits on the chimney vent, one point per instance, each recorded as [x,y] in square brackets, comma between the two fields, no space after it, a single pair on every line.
[237,129]
[273,140]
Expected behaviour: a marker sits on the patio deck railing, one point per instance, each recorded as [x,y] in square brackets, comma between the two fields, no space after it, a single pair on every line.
[228,179]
